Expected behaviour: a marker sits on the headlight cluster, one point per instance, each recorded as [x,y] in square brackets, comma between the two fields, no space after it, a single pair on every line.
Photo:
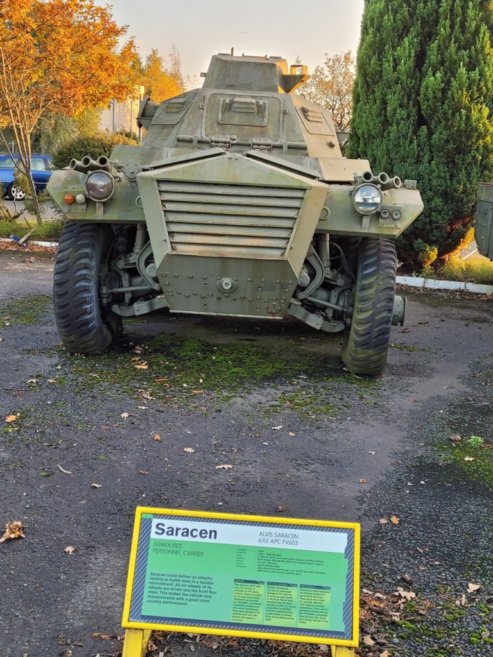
[367,199]
[100,185]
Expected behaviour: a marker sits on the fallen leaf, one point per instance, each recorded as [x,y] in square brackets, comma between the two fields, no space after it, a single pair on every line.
[468,458]
[280,508]
[471,588]
[11,418]
[368,641]
[189,450]
[224,466]
[69,549]
[13,530]
[455,438]
[407,595]
[384,521]
[461,602]
[63,470]
[362,481]
[144,472]
[104,637]
[141,366]
[385,653]
[394,520]
[145,394]
[278,428]
[156,437]
[292,433]
[124,415]
[96,485]
[197,392]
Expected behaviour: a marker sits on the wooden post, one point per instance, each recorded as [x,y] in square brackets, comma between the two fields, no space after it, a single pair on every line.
[135,643]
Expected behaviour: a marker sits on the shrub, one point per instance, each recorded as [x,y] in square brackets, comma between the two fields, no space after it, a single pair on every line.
[49,231]
[474,270]
[93,145]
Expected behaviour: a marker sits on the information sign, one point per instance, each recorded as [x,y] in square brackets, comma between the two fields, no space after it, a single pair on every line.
[254,576]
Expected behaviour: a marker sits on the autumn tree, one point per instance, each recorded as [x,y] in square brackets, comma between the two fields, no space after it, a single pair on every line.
[57,56]
[161,82]
[422,109]
[331,86]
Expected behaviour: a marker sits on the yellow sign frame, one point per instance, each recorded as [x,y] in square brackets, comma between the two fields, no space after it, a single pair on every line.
[138,633]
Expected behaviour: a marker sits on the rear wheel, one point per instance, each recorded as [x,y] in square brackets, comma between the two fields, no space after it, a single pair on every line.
[365,351]
[84,324]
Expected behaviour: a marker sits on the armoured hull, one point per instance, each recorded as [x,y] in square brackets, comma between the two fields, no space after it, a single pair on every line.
[233,233]
[238,202]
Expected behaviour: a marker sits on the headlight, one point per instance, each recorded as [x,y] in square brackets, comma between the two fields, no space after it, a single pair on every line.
[100,186]
[367,199]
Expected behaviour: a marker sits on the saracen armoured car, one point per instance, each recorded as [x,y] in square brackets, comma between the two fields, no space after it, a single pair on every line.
[237,203]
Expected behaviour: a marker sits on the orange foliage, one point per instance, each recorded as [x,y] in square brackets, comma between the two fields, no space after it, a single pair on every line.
[61,56]
[160,83]
[58,56]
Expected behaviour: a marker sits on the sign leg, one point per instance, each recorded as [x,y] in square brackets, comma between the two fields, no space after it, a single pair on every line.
[135,643]
[338,651]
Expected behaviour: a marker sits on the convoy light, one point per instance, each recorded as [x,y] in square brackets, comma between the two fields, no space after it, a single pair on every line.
[69,199]
[367,199]
[100,185]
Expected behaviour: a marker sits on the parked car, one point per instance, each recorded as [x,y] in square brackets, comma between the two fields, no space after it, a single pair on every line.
[41,169]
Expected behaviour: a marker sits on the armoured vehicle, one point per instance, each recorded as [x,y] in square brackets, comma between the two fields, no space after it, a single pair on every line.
[483,229]
[237,203]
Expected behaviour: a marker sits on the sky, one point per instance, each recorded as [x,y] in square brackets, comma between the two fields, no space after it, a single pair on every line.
[200,28]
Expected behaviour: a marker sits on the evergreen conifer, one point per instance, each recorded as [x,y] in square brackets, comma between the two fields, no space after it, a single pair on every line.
[422,109]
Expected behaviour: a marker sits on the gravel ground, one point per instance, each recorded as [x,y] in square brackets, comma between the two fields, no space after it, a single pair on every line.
[336,431]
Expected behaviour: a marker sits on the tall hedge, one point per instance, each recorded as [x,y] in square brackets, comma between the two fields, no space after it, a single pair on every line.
[423,101]
[94,145]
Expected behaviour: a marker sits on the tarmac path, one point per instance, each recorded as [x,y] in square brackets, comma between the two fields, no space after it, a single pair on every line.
[310,442]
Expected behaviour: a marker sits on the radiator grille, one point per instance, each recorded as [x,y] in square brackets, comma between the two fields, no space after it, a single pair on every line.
[229,220]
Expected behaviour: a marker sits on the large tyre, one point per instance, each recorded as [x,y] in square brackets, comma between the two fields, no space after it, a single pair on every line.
[365,351]
[84,325]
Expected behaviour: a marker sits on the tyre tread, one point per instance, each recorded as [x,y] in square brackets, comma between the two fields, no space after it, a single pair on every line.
[75,289]
[365,351]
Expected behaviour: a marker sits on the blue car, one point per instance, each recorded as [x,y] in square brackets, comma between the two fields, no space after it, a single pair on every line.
[41,169]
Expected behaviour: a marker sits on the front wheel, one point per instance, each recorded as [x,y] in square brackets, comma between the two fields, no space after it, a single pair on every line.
[365,351]
[84,324]
[15,192]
